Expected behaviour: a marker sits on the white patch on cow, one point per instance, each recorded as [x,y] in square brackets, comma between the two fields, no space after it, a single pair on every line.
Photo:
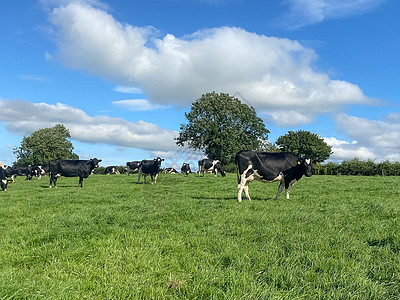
[4,181]
[244,182]
[308,161]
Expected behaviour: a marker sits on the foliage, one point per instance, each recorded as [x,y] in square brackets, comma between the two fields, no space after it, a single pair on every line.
[220,125]
[305,143]
[187,238]
[357,166]
[45,145]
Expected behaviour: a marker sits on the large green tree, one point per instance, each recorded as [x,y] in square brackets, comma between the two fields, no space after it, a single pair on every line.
[220,125]
[45,145]
[305,143]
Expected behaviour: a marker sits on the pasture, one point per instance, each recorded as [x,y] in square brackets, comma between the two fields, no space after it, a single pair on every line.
[188,238]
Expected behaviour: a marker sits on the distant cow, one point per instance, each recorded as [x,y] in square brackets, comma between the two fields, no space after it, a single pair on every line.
[3,179]
[72,168]
[12,172]
[287,168]
[111,170]
[133,166]
[41,170]
[170,171]
[150,167]
[185,169]
[210,166]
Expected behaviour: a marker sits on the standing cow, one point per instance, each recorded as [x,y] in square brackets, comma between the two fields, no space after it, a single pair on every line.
[150,167]
[185,169]
[72,168]
[210,166]
[287,168]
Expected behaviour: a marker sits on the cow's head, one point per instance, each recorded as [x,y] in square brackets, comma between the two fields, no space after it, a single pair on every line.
[306,166]
[94,162]
[218,167]
[158,160]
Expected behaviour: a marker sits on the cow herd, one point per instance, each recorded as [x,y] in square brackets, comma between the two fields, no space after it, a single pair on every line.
[287,168]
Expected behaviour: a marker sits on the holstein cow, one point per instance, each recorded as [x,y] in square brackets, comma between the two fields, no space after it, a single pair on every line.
[111,170]
[72,168]
[3,178]
[210,166]
[287,168]
[133,166]
[150,167]
[170,171]
[12,172]
[41,170]
[185,169]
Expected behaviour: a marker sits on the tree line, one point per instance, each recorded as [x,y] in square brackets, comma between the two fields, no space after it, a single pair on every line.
[356,167]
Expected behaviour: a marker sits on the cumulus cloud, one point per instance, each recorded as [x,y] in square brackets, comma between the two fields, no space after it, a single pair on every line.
[308,12]
[275,75]
[381,137]
[344,150]
[23,117]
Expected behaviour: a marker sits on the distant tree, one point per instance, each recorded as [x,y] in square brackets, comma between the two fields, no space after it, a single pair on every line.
[305,143]
[220,125]
[45,145]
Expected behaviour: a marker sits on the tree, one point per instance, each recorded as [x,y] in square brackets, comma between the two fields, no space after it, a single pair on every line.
[220,125]
[305,143]
[45,145]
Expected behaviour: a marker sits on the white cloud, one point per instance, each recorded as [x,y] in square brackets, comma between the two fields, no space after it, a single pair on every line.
[307,12]
[344,150]
[128,90]
[23,117]
[382,138]
[275,75]
[138,105]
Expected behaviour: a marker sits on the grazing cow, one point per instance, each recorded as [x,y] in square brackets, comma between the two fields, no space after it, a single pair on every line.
[111,170]
[41,170]
[12,172]
[287,168]
[170,171]
[3,178]
[133,166]
[210,166]
[150,167]
[72,168]
[185,169]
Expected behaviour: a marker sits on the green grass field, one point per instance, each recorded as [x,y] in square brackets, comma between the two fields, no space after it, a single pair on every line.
[188,238]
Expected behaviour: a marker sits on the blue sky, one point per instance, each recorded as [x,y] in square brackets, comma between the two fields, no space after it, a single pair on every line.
[121,74]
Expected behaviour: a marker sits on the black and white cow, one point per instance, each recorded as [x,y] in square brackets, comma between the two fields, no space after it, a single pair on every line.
[185,169]
[12,172]
[287,168]
[3,179]
[210,166]
[41,170]
[72,168]
[170,171]
[150,167]
[111,170]
[133,166]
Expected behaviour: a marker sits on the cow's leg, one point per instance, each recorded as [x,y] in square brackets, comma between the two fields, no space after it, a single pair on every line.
[140,173]
[80,182]
[155,178]
[144,175]
[13,178]
[287,188]
[246,190]
[244,184]
[280,189]
[152,178]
